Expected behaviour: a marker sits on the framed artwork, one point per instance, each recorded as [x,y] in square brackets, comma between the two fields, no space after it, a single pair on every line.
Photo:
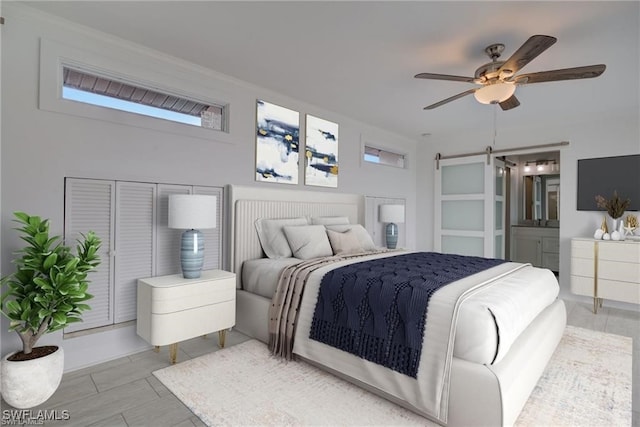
[277,134]
[321,153]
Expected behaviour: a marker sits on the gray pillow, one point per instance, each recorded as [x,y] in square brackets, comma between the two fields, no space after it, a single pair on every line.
[363,236]
[344,243]
[272,238]
[308,241]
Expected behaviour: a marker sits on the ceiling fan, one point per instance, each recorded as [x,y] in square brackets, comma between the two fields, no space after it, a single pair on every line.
[498,78]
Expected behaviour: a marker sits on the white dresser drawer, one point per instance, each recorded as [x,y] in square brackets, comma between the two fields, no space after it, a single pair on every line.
[582,285]
[582,249]
[619,251]
[622,271]
[619,291]
[582,267]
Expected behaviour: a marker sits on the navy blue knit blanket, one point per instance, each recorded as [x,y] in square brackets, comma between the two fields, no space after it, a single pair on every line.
[377,309]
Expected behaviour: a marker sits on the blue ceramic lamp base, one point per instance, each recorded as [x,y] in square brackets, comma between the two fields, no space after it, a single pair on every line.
[192,253]
[392,235]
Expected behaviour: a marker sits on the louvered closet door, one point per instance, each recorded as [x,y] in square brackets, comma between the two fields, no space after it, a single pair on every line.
[212,236]
[135,216]
[90,206]
[168,239]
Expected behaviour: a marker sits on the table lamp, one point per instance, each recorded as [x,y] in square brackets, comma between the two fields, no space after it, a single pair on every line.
[192,212]
[392,214]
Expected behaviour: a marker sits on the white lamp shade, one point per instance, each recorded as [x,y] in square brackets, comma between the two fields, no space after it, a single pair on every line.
[192,211]
[391,213]
[492,94]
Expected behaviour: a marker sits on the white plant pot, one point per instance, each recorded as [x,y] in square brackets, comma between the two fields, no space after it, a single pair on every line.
[29,383]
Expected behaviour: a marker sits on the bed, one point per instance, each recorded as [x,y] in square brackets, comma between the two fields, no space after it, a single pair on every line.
[489,374]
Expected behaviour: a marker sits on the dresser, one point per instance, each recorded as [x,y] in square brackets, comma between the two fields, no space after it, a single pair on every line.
[605,269]
[173,309]
[539,246]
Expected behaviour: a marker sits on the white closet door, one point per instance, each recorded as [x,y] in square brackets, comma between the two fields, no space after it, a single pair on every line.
[168,239]
[212,236]
[90,206]
[464,206]
[135,219]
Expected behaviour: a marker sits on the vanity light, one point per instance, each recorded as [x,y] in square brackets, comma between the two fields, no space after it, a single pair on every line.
[527,168]
[540,168]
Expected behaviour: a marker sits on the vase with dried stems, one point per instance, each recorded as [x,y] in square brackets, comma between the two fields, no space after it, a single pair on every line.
[615,207]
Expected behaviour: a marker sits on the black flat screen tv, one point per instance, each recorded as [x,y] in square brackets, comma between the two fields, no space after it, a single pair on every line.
[605,175]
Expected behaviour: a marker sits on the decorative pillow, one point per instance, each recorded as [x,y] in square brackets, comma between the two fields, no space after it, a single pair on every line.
[308,241]
[329,220]
[344,243]
[363,236]
[272,238]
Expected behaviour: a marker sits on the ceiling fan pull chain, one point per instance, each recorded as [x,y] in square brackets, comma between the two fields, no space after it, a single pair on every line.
[495,120]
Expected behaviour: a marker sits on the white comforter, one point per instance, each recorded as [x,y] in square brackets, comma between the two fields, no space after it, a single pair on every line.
[506,297]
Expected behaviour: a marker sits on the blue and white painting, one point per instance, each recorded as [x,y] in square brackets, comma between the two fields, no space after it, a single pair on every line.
[277,134]
[321,153]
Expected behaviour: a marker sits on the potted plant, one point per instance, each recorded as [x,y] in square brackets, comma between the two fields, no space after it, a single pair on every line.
[46,293]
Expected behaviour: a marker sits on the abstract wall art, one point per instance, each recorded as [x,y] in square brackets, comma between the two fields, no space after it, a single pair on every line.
[277,134]
[321,152]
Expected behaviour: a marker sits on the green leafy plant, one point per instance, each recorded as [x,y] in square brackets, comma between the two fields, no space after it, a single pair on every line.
[49,287]
[615,206]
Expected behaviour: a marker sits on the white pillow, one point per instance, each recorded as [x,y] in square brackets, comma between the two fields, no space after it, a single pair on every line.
[272,238]
[344,243]
[308,241]
[363,236]
[330,220]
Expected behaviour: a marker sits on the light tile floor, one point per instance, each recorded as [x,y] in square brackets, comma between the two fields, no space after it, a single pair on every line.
[124,392]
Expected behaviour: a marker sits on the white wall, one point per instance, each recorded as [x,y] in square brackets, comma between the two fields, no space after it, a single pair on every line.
[607,134]
[39,148]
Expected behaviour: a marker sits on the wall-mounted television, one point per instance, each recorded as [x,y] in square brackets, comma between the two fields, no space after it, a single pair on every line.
[605,175]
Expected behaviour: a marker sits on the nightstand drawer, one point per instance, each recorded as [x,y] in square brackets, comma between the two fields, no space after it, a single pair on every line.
[169,328]
[183,297]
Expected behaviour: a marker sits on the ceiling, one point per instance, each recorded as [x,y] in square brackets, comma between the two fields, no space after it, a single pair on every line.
[359,58]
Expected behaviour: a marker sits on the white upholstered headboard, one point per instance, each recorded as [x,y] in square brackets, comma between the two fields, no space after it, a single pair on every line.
[247,204]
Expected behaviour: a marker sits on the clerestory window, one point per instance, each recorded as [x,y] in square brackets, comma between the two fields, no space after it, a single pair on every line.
[383,157]
[102,91]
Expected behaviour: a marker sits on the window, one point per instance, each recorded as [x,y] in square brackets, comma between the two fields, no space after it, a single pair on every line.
[383,157]
[102,91]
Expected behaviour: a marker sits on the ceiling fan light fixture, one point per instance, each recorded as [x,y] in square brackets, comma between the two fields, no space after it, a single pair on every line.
[495,93]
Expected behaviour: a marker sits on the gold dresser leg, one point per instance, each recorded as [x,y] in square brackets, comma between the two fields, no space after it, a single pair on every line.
[173,353]
[156,349]
[221,336]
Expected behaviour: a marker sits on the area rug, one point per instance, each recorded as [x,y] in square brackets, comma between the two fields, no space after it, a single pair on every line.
[587,382]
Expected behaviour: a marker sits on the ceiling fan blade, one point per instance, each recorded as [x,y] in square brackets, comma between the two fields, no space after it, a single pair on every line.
[533,47]
[432,76]
[453,98]
[586,72]
[509,103]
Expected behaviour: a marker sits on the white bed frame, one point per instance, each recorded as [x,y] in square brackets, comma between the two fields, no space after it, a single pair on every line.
[479,394]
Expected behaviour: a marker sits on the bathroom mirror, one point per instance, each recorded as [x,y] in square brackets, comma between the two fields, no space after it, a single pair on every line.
[541,197]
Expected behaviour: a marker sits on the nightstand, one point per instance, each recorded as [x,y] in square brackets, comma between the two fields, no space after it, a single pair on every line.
[173,309]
